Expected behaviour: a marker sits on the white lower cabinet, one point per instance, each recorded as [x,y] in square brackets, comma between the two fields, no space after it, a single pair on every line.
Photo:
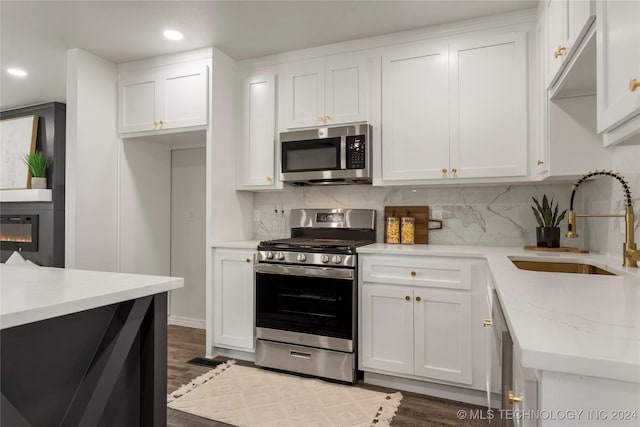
[233,299]
[418,319]
[387,328]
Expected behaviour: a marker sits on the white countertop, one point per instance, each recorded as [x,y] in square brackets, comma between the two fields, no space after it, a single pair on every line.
[237,244]
[573,323]
[30,294]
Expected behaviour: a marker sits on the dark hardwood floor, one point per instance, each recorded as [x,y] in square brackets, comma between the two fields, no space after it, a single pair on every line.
[416,410]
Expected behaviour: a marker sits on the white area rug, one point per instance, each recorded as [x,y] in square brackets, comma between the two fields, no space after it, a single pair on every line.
[252,397]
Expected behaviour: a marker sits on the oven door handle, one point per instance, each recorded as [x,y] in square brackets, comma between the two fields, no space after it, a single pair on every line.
[294,270]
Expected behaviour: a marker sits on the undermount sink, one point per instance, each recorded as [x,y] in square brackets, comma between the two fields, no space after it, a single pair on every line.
[560,267]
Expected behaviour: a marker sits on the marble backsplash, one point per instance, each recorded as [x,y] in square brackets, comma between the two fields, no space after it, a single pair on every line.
[486,216]
[497,215]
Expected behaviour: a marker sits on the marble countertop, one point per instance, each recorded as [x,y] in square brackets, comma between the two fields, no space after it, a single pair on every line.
[578,324]
[30,294]
[237,244]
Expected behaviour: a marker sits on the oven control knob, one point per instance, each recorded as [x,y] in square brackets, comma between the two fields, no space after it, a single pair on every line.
[279,256]
[269,255]
[324,258]
[337,259]
[301,257]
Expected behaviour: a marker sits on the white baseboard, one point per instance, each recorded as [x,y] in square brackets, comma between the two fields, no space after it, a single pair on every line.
[474,397]
[188,322]
[249,356]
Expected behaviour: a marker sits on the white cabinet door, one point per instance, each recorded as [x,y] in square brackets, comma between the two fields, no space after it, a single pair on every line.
[346,97]
[489,132]
[387,328]
[540,160]
[233,299]
[567,21]
[618,61]
[324,92]
[578,15]
[183,97]
[138,94]
[443,335]
[415,112]
[257,155]
[303,95]
[163,98]
[555,38]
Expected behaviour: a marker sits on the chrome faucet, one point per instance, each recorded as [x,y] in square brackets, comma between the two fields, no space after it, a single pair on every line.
[630,254]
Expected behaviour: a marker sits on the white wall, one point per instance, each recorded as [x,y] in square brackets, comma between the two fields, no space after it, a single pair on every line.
[145,207]
[91,163]
[188,179]
[229,212]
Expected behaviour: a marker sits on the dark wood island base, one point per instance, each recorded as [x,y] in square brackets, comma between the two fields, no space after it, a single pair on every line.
[105,366]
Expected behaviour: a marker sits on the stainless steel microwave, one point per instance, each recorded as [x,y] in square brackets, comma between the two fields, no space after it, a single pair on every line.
[327,156]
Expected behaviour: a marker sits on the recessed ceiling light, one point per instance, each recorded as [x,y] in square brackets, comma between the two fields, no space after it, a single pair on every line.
[173,35]
[16,72]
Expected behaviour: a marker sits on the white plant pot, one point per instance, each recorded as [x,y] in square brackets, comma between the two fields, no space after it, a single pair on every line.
[38,182]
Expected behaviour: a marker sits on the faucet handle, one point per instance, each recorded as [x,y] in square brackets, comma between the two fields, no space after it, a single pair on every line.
[571,232]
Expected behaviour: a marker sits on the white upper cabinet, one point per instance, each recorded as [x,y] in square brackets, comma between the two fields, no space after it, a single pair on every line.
[415,112]
[258,151]
[455,109]
[489,133]
[345,88]
[556,51]
[163,98]
[567,21]
[330,91]
[618,67]
[137,102]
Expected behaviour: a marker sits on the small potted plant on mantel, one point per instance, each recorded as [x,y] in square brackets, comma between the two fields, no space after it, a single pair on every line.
[37,163]
[548,232]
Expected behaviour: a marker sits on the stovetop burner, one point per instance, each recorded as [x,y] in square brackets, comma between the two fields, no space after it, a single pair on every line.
[299,243]
[321,237]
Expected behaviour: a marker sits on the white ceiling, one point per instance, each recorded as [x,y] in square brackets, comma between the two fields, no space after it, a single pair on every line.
[35,35]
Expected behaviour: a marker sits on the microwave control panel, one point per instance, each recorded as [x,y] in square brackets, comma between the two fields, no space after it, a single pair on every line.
[356,152]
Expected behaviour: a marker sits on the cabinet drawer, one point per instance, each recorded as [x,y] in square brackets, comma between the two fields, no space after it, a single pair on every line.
[417,271]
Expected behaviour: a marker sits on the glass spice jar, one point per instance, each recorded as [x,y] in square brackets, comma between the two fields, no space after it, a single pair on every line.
[393,230]
[408,233]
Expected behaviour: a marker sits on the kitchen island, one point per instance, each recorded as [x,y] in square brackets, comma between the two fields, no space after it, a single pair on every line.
[83,347]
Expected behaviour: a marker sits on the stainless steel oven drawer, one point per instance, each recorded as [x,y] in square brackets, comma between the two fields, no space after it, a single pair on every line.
[306,360]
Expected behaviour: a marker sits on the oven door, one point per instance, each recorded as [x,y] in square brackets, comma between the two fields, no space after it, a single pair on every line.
[311,302]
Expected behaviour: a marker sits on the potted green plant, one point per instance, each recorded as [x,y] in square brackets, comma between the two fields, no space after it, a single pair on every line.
[37,163]
[548,232]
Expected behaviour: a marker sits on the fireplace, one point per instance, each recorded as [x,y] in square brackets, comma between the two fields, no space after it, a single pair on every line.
[37,228]
[19,233]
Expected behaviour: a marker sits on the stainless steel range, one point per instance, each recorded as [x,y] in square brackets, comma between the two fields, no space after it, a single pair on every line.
[306,293]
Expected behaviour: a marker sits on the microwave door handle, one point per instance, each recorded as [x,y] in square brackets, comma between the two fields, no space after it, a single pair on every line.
[343,152]
[289,270]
